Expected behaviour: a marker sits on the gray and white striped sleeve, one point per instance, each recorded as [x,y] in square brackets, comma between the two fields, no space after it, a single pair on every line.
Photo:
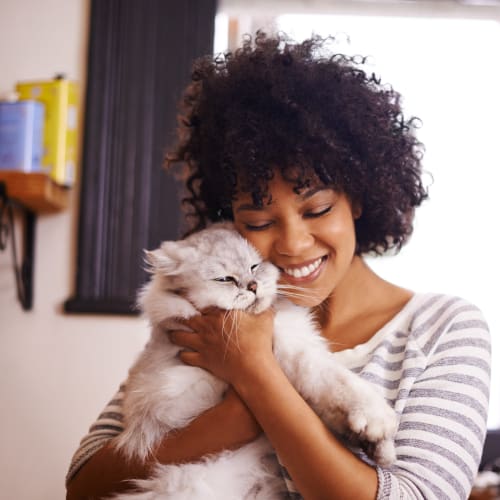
[108,425]
[443,421]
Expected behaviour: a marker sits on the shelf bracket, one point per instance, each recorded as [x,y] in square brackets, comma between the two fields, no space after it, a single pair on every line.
[23,271]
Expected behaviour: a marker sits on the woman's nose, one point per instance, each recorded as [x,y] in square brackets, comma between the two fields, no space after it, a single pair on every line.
[294,239]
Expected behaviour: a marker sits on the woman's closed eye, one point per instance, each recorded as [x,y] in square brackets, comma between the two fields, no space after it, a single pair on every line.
[257,227]
[313,214]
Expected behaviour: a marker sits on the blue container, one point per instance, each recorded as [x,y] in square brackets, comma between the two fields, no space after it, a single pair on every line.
[21,136]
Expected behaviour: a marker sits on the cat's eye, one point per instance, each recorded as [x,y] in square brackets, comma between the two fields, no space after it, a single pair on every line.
[226,279]
[254,267]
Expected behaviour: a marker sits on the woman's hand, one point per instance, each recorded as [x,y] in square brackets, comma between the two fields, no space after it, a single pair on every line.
[226,426]
[244,426]
[229,344]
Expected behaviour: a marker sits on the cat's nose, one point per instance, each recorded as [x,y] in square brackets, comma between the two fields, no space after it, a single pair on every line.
[252,286]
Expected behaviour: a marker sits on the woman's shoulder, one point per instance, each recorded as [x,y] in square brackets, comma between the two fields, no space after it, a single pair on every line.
[436,317]
[430,318]
[429,307]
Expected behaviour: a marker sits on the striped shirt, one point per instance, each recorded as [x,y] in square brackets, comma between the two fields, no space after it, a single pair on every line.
[432,363]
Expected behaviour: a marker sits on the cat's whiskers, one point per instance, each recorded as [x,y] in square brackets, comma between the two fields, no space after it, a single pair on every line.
[288,286]
[236,328]
[296,292]
[229,333]
[291,292]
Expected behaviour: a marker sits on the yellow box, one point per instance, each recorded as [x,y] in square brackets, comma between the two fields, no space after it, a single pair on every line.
[59,96]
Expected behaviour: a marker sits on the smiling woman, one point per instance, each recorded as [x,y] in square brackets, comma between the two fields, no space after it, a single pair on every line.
[316,165]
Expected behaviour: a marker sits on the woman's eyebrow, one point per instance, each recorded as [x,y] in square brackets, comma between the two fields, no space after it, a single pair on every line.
[305,195]
[311,192]
[247,207]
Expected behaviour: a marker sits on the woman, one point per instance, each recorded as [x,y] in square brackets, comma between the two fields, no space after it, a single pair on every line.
[316,165]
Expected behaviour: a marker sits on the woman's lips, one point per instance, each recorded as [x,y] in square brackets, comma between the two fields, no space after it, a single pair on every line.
[304,272]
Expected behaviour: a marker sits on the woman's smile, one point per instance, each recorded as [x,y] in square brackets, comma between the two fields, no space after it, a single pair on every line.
[305,272]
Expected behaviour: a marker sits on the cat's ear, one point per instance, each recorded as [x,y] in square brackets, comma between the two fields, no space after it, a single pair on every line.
[171,258]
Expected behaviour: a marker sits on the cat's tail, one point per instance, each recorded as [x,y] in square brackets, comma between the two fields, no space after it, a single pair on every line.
[138,441]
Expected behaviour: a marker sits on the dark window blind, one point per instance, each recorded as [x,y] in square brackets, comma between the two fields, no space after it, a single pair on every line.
[139,59]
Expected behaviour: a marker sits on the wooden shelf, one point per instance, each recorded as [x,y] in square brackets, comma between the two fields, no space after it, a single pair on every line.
[36,191]
[30,194]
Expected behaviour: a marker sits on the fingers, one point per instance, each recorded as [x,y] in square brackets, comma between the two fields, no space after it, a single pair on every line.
[190,343]
[206,317]
[192,358]
[188,340]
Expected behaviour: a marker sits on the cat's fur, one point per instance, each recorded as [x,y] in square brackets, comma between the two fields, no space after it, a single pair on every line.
[163,394]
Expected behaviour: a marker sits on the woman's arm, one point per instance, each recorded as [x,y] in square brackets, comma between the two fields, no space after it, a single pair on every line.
[320,466]
[228,425]
[443,400]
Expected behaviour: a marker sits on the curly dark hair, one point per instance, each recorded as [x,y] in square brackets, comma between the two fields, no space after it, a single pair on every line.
[274,104]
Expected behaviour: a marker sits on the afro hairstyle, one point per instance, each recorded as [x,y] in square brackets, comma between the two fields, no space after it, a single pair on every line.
[275,105]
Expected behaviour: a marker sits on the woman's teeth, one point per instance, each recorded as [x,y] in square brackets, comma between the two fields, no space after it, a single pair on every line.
[302,272]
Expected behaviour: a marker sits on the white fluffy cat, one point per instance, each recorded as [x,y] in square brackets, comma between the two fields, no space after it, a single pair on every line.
[217,267]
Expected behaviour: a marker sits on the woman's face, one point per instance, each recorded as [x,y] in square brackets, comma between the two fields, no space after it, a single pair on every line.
[310,236]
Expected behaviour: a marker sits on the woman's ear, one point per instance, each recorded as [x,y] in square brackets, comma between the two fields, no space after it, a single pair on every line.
[357,210]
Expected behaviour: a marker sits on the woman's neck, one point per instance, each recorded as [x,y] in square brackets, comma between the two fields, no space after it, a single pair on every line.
[359,306]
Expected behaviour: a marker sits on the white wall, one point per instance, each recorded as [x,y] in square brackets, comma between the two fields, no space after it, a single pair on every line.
[56,371]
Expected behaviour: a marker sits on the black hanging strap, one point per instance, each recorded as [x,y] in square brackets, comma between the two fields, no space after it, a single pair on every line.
[23,271]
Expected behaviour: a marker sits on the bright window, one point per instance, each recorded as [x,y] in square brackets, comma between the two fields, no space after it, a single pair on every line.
[448,72]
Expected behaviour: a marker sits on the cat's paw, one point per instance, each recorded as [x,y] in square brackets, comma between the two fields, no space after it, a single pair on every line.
[384,452]
[374,424]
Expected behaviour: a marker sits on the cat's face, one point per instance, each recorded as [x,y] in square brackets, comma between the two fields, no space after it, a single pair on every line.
[217,267]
